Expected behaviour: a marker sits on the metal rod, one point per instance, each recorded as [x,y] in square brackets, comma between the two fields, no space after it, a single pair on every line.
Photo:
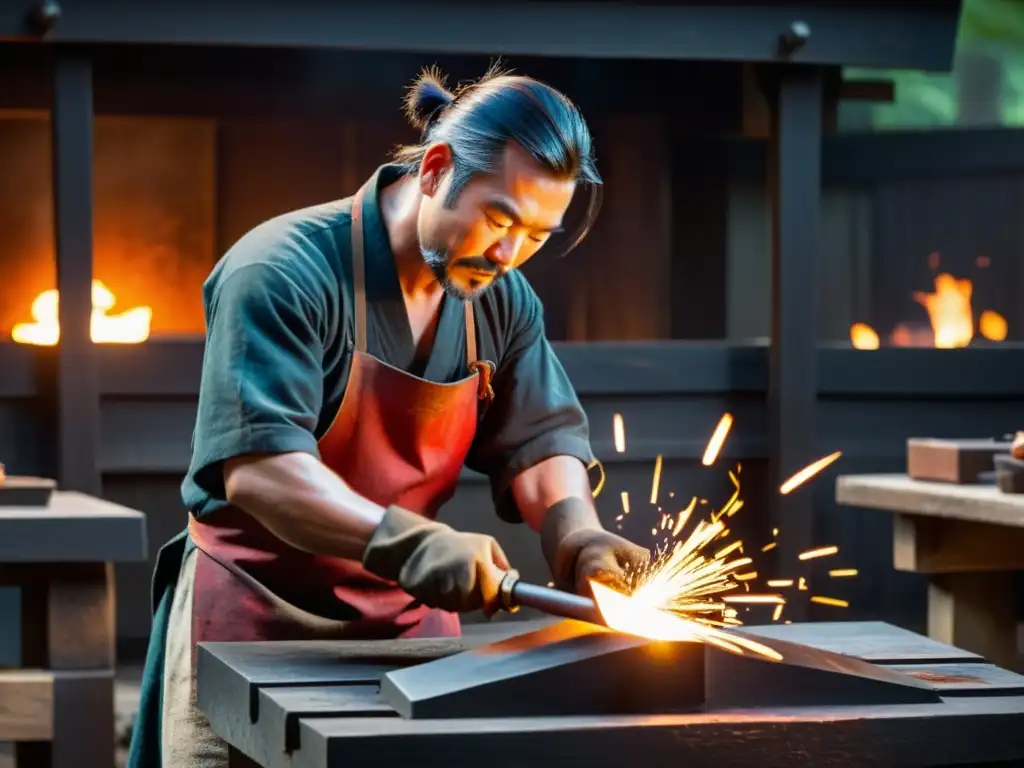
[516,594]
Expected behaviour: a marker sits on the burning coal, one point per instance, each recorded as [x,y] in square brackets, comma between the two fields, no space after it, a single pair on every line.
[694,581]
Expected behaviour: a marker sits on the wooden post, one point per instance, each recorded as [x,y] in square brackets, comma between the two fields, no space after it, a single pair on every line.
[794,193]
[77,389]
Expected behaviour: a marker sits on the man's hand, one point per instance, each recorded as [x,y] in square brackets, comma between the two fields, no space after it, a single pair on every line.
[439,566]
[578,549]
[603,557]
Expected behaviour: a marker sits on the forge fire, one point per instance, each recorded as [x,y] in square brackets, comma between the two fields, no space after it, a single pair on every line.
[129,326]
[951,317]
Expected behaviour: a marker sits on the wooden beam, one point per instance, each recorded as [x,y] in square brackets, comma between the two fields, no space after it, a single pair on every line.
[77,387]
[892,35]
[67,614]
[899,493]
[931,545]
[26,705]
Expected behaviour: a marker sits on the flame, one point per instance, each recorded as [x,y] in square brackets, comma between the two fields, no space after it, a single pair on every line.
[950,315]
[949,311]
[128,327]
[863,336]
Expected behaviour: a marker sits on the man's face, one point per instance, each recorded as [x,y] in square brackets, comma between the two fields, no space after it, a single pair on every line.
[495,224]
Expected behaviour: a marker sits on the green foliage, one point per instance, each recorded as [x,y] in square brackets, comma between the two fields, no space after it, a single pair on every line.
[929,100]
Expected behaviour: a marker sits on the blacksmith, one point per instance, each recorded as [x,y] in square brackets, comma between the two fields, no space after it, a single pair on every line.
[358,354]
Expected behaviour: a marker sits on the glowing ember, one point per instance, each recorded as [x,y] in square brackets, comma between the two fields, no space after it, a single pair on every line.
[128,327]
[656,481]
[619,433]
[808,472]
[863,336]
[829,601]
[992,326]
[950,315]
[811,554]
[717,440]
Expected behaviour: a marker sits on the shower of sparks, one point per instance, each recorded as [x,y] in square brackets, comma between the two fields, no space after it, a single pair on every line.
[619,433]
[808,472]
[717,440]
[698,579]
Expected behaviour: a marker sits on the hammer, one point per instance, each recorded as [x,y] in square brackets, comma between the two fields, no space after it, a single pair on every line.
[516,593]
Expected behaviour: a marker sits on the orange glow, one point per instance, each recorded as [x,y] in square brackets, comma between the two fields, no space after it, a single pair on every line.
[128,327]
[950,315]
[992,326]
[634,615]
[863,336]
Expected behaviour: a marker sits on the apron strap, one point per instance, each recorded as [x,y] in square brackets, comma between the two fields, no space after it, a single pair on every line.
[359,270]
[470,335]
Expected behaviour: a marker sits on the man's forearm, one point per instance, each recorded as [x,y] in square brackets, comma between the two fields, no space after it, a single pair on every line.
[303,503]
[537,489]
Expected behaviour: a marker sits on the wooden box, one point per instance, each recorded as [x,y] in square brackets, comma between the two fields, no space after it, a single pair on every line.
[26,491]
[953,461]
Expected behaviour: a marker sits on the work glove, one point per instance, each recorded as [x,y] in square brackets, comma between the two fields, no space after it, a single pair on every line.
[439,566]
[578,552]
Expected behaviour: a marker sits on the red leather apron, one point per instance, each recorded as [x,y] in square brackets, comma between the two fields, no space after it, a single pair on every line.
[396,439]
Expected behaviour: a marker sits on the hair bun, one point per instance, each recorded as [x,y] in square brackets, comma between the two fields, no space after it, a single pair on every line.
[426,97]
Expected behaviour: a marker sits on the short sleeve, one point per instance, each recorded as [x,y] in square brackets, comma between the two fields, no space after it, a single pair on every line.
[262,379]
[535,414]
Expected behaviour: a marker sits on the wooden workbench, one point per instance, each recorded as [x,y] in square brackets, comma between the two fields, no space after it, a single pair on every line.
[316,705]
[969,539]
[58,707]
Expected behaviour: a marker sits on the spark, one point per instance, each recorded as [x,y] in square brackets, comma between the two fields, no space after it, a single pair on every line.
[842,573]
[745,576]
[625,502]
[717,440]
[769,546]
[779,583]
[808,472]
[830,601]
[777,613]
[656,480]
[819,552]
[767,599]
[619,433]
[684,515]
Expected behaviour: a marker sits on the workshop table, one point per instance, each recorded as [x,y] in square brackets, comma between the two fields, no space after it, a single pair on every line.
[58,706]
[969,539]
[317,705]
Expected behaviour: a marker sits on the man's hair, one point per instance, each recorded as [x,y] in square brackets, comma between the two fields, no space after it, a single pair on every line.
[479,119]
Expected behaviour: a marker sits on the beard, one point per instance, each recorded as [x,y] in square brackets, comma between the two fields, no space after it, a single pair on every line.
[439,262]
